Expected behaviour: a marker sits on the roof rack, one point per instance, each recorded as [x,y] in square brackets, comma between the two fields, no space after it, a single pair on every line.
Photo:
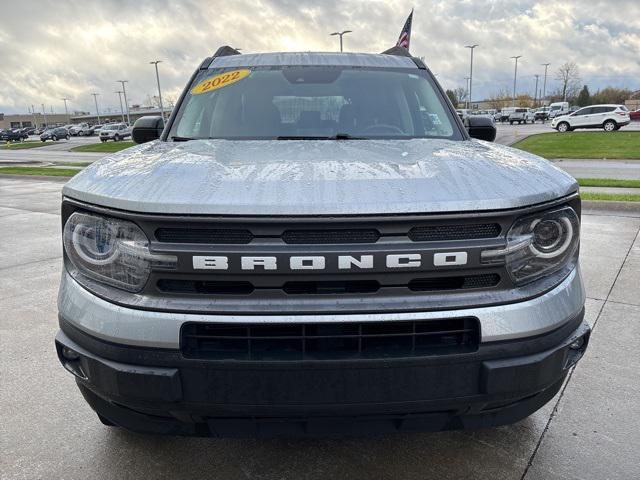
[225,51]
[397,51]
[403,52]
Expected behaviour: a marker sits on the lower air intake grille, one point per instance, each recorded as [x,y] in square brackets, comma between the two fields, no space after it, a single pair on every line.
[329,341]
[454,283]
[454,232]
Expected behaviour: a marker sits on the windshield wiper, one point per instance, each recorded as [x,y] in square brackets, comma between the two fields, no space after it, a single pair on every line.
[181,139]
[337,136]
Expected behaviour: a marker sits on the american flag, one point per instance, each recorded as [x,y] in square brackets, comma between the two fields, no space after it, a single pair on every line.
[405,34]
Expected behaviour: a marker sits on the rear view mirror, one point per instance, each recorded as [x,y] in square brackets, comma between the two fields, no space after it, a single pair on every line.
[147,129]
[481,128]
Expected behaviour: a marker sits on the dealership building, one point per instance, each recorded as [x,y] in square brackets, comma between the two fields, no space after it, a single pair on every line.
[41,120]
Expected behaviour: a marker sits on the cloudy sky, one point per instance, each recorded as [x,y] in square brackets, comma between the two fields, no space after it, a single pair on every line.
[66,48]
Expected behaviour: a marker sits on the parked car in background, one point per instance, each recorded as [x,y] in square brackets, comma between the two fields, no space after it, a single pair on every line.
[55,134]
[75,129]
[12,135]
[29,130]
[96,129]
[115,132]
[607,117]
[558,108]
[635,115]
[86,130]
[505,113]
[522,115]
[541,114]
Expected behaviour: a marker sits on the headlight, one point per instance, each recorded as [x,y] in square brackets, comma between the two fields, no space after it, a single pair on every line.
[111,251]
[539,245]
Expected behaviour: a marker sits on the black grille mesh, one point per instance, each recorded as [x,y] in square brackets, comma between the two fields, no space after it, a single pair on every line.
[324,287]
[203,235]
[454,283]
[330,236]
[454,232]
[322,341]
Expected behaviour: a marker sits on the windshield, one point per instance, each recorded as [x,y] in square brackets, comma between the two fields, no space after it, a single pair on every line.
[110,127]
[313,102]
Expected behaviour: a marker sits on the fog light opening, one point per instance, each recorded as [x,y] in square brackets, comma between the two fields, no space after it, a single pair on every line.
[577,344]
[69,354]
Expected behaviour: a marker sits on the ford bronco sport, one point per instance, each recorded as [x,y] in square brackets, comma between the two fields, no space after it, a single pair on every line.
[315,244]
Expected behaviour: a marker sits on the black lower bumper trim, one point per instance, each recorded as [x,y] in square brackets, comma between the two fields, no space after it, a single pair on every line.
[487,388]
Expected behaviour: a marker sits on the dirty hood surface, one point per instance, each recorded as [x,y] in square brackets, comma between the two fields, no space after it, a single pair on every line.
[325,177]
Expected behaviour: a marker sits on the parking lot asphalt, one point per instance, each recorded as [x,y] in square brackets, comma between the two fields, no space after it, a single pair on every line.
[590,430]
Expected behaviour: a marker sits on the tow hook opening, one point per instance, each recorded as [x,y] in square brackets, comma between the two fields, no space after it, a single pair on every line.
[71,361]
[576,349]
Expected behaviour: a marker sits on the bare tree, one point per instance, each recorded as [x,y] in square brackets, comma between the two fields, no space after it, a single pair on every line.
[569,78]
[461,94]
[500,99]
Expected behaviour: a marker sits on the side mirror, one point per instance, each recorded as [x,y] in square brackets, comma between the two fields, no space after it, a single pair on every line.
[481,128]
[147,129]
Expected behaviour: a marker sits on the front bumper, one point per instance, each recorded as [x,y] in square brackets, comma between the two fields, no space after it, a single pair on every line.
[159,391]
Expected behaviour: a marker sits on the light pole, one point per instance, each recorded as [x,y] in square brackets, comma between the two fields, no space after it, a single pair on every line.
[466,92]
[471,47]
[515,76]
[44,113]
[35,119]
[535,93]
[119,92]
[95,99]
[126,104]
[156,62]
[66,111]
[344,32]
[544,88]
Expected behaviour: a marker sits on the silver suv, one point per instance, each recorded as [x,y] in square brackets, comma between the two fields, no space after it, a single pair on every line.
[114,131]
[315,243]
[607,117]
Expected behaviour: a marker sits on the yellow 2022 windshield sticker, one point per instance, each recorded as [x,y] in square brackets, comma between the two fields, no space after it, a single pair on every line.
[219,81]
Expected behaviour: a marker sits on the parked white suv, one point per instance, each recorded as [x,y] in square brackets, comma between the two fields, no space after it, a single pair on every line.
[608,117]
[522,115]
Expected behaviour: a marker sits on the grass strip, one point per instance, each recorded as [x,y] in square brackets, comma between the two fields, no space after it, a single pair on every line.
[42,171]
[22,145]
[608,182]
[589,145]
[106,147]
[610,197]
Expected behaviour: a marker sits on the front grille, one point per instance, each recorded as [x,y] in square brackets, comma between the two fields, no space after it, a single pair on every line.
[429,233]
[433,233]
[324,287]
[329,341]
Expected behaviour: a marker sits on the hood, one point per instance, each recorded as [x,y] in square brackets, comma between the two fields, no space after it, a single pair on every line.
[324,177]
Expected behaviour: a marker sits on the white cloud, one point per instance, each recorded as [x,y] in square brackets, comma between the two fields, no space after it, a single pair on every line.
[52,49]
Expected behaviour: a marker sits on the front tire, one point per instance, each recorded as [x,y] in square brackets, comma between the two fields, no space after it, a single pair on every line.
[116,138]
[54,138]
[563,127]
[610,126]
